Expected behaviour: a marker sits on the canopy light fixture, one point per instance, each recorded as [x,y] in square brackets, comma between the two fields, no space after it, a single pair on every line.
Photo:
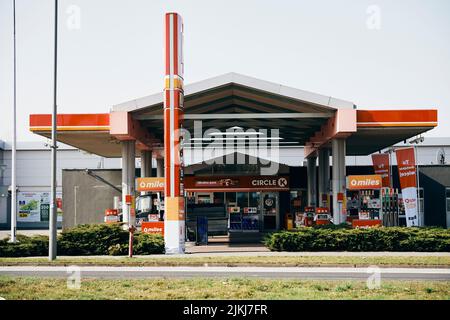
[238,133]
[232,138]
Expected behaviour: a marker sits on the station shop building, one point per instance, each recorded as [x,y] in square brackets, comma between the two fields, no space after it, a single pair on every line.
[263,150]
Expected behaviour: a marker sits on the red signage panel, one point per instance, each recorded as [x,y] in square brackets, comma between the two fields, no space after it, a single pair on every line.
[239,183]
[406,163]
[382,167]
[154,227]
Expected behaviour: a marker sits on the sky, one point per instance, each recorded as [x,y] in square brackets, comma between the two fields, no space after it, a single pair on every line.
[377,54]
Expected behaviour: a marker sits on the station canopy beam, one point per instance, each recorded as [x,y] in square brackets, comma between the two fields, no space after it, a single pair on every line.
[232,100]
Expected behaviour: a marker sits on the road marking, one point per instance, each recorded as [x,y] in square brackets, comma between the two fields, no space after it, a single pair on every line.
[226,269]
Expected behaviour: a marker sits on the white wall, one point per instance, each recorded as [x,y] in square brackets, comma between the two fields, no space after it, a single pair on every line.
[34,166]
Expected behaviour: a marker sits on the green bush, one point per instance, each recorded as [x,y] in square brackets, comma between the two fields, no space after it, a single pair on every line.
[85,240]
[332,226]
[118,249]
[148,244]
[372,239]
[24,247]
[94,239]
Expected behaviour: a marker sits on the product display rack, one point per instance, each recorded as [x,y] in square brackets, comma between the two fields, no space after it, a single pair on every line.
[235,219]
[364,207]
[242,221]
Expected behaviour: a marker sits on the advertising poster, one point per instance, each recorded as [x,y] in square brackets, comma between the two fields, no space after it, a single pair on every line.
[29,206]
[35,206]
[381,165]
[59,207]
[408,181]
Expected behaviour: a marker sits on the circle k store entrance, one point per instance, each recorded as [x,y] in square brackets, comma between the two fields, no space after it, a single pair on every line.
[252,203]
[241,204]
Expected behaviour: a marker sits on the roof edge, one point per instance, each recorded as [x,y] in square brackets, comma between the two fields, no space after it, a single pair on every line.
[243,80]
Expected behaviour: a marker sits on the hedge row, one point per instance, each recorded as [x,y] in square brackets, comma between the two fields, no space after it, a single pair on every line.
[372,239]
[85,240]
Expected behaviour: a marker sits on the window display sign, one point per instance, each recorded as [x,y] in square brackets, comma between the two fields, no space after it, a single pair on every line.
[35,206]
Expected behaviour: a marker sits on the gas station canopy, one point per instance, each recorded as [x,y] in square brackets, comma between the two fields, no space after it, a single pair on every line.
[232,100]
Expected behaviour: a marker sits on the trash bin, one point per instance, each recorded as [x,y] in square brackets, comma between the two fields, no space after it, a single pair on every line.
[202,231]
[289,221]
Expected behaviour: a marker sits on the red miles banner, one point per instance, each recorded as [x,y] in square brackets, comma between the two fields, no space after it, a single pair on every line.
[406,164]
[382,167]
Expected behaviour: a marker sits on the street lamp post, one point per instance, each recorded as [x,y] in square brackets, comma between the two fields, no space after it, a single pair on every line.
[53,207]
[14,143]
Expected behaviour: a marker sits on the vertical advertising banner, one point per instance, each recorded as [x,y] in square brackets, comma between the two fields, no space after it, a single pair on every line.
[406,164]
[382,167]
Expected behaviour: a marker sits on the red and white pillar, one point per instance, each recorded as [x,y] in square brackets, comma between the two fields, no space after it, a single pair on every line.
[174,224]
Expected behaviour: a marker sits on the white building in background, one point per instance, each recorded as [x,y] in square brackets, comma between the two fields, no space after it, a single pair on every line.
[33,171]
[33,166]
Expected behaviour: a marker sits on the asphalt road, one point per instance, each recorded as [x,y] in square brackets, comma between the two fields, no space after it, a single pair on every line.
[323,273]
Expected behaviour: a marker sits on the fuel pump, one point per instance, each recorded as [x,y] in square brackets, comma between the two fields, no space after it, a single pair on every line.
[308,217]
[322,216]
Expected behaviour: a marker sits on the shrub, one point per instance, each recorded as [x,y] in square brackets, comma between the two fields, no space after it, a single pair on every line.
[85,240]
[25,246]
[332,226]
[148,244]
[94,239]
[373,239]
[118,249]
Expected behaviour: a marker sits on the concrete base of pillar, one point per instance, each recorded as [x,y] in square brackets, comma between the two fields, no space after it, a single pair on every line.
[174,244]
[174,225]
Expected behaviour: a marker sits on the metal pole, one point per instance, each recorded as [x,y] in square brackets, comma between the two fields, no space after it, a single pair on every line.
[53,208]
[418,184]
[14,144]
[391,182]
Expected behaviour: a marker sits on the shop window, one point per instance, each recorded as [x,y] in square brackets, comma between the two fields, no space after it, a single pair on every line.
[421,205]
[242,199]
[204,198]
[298,200]
[254,199]
[447,198]
[219,197]
[230,197]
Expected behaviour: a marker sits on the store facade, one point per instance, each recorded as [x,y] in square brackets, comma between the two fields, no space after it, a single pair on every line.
[227,114]
[239,114]
[252,202]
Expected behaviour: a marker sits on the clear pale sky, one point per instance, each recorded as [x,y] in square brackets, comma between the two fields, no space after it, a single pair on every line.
[329,47]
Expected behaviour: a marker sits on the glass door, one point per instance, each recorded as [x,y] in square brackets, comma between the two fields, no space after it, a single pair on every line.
[269,208]
[251,213]
[447,205]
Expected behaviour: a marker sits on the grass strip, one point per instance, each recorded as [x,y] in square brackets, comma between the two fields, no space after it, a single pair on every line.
[28,288]
[272,261]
